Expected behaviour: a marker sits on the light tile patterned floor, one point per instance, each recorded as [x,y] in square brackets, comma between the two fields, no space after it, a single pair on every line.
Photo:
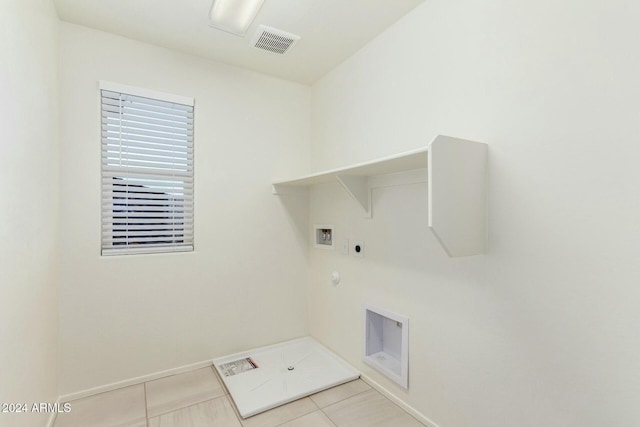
[197,399]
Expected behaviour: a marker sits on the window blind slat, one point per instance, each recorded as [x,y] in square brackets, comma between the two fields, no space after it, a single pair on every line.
[147,175]
[124,109]
[126,159]
[121,206]
[166,211]
[108,95]
[140,171]
[137,227]
[139,216]
[129,128]
[134,121]
[144,197]
[174,116]
[116,137]
[150,239]
[147,236]
[181,158]
[165,194]
[159,156]
[160,222]
[136,195]
[134,185]
[115,112]
[128,122]
[117,162]
[151,118]
[140,235]
[167,139]
[147,249]
[146,149]
[132,216]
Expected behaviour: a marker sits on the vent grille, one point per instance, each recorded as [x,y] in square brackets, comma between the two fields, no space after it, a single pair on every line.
[273,40]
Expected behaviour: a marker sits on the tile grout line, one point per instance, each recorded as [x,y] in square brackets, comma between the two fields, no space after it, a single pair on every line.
[353,395]
[364,391]
[219,378]
[314,403]
[404,406]
[330,420]
[392,402]
[207,399]
[347,398]
[227,394]
[188,406]
[402,409]
[303,415]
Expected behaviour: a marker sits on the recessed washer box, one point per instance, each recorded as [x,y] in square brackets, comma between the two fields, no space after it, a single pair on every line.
[323,236]
[386,344]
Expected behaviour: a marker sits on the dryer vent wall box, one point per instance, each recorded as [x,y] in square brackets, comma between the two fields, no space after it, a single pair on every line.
[323,236]
[386,346]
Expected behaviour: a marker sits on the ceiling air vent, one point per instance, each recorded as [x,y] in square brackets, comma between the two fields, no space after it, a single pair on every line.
[273,40]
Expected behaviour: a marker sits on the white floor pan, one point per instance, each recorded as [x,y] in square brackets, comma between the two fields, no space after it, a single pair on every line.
[263,378]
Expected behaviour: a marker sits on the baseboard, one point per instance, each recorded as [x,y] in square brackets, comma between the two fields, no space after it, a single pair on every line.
[186,368]
[134,381]
[395,399]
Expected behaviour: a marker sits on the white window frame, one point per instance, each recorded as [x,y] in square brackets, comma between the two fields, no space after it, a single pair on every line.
[169,248]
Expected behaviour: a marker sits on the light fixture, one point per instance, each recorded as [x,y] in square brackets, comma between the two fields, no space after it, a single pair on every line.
[234,16]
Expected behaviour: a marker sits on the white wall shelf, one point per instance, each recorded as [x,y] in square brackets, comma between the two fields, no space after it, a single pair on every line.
[456,172]
[356,178]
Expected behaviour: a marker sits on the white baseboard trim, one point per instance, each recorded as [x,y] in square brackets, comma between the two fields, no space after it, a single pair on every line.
[134,381]
[186,368]
[395,399]
[52,417]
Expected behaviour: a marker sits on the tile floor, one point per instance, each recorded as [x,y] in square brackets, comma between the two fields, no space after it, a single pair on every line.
[198,399]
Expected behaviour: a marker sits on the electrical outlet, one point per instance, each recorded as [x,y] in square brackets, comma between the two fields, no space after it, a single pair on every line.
[357,248]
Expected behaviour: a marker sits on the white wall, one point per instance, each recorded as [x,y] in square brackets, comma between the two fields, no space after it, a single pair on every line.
[244,286]
[543,330]
[29,208]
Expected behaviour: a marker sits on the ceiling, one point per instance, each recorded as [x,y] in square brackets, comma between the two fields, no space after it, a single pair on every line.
[331,30]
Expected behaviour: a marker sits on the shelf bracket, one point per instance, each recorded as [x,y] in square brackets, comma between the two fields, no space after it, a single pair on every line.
[358,188]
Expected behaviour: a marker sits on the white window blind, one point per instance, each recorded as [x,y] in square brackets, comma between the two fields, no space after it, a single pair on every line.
[147,175]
